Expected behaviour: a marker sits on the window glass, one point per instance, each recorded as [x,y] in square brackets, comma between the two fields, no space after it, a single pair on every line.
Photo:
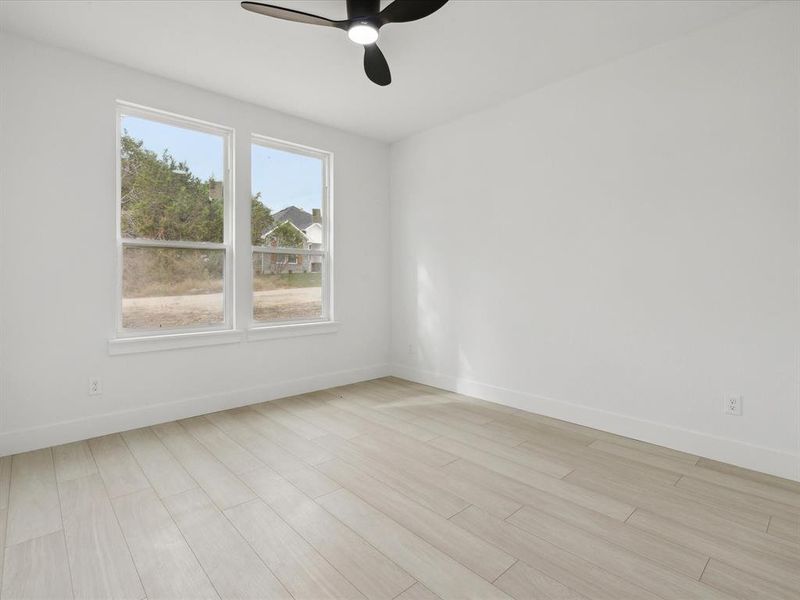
[287,212]
[171,182]
[172,226]
[168,288]
[284,291]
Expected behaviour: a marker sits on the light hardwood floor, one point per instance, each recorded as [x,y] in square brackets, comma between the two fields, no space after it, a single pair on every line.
[389,489]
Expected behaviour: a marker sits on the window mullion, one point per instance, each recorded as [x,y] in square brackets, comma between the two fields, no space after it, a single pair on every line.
[298,251]
[148,243]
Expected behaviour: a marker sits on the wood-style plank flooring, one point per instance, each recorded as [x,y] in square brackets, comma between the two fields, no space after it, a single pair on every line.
[389,490]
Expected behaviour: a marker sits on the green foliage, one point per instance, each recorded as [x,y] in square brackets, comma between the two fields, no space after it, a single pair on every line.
[171,271]
[281,281]
[261,220]
[163,200]
[286,235]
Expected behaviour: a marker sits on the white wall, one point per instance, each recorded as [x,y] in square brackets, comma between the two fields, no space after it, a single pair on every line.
[619,249]
[57,274]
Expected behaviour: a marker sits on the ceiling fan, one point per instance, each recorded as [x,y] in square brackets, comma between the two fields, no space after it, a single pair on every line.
[364,20]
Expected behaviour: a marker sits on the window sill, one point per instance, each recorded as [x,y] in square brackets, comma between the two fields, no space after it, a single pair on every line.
[273,332]
[174,341]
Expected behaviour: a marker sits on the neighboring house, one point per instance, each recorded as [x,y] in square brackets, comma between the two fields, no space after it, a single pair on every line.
[314,235]
[296,216]
[309,228]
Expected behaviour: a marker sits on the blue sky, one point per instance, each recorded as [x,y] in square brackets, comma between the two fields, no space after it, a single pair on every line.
[203,152]
[283,178]
[286,179]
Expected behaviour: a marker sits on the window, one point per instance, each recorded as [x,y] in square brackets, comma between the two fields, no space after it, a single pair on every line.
[290,233]
[174,224]
[175,232]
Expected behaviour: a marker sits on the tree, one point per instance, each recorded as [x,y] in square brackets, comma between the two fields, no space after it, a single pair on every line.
[163,200]
[261,220]
[286,235]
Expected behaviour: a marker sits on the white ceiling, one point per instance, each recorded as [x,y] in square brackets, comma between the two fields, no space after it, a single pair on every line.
[469,55]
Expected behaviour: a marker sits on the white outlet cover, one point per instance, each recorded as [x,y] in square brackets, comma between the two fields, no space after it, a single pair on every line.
[733,405]
[95,386]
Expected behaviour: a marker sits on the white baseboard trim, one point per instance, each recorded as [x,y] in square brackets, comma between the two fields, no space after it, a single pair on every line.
[749,456]
[22,440]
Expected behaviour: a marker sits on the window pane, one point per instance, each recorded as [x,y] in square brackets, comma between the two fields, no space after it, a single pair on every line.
[286,207]
[167,288]
[171,180]
[286,287]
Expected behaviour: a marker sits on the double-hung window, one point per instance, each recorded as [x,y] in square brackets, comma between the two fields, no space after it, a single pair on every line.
[174,228]
[290,233]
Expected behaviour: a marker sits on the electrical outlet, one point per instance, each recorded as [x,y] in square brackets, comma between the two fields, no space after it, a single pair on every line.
[95,386]
[733,405]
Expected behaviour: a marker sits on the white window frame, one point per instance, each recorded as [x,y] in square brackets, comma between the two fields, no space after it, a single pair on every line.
[227,245]
[326,252]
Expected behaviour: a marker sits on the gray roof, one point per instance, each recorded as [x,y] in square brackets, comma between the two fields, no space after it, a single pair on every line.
[297,216]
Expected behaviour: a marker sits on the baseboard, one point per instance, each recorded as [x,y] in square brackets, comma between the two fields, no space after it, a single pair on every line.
[64,432]
[749,456]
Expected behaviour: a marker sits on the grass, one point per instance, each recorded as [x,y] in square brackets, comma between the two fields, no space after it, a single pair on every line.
[191,287]
[182,287]
[282,281]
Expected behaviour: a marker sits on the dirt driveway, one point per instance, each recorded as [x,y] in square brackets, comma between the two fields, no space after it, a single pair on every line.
[177,311]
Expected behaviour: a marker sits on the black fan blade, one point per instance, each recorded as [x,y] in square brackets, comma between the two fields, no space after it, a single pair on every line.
[403,11]
[375,65]
[291,15]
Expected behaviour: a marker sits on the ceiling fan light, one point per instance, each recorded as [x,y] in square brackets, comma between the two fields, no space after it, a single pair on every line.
[363,33]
